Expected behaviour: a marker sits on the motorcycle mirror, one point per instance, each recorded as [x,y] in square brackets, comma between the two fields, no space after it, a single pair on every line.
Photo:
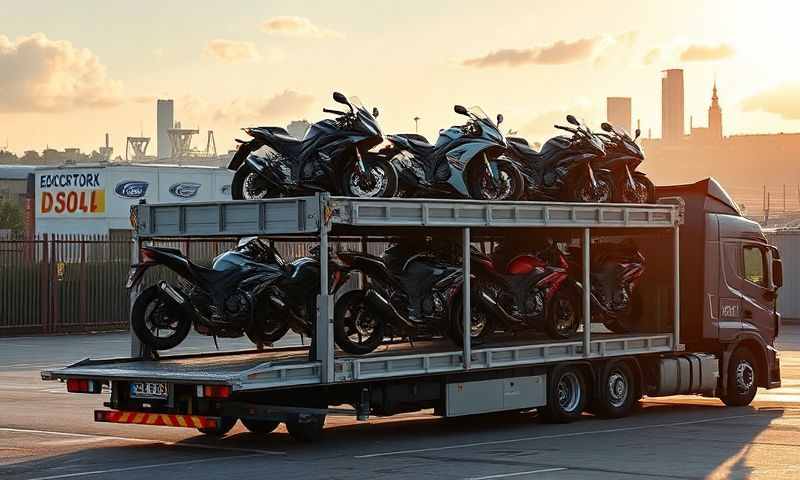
[499,118]
[375,112]
[638,133]
[460,109]
[340,98]
[606,127]
[571,119]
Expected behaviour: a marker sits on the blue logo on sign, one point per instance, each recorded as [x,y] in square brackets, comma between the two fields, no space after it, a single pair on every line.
[131,189]
[184,190]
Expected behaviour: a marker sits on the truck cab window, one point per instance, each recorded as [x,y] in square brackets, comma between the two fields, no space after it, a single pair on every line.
[755,265]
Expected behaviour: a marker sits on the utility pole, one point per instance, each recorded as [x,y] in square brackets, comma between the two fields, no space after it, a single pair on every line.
[416,124]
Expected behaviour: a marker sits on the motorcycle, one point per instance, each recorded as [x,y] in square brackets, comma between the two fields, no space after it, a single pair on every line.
[332,157]
[419,296]
[531,291]
[616,270]
[230,299]
[466,161]
[562,170]
[622,158]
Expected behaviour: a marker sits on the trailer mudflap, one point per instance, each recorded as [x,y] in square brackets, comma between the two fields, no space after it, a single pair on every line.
[157,419]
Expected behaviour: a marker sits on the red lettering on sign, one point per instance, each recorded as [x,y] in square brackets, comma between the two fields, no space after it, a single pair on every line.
[47,202]
[72,202]
[60,202]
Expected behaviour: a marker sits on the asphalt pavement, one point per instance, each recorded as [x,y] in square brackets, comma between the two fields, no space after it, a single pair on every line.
[46,433]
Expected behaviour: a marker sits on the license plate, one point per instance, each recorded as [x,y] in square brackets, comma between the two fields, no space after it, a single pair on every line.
[149,390]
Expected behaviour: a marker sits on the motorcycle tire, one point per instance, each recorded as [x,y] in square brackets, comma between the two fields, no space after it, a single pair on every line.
[387,185]
[151,302]
[579,189]
[645,190]
[482,330]
[349,310]
[513,187]
[563,303]
[268,336]
[248,185]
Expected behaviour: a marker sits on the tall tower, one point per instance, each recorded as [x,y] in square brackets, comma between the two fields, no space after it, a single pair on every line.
[618,112]
[165,118]
[715,116]
[672,105]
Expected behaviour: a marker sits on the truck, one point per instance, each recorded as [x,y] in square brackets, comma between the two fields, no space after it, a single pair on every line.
[707,326]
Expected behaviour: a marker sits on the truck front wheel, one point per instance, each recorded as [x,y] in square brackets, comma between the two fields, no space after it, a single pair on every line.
[566,395]
[741,385]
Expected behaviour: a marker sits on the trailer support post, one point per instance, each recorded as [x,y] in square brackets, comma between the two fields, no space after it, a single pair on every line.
[465,293]
[587,292]
[323,341]
[138,349]
[676,287]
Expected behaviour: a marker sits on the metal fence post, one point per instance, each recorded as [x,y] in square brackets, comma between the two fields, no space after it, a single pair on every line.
[323,341]
[587,293]
[466,295]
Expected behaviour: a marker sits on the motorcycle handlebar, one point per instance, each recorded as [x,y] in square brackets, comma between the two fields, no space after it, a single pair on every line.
[569,129]
[335,112]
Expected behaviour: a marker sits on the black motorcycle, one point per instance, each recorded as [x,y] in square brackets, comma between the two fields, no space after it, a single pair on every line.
[466,161]
[332,157]
[562,170]
[235,297]
[623,157]
[528,292]
[615,272]
[405,296]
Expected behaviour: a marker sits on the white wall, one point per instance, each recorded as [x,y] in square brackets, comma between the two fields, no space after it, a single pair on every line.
[788,243]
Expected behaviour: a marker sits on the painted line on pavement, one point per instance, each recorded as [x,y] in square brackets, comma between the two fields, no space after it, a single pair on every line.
[143,440]
[140,467]
[557,435]
[517,474]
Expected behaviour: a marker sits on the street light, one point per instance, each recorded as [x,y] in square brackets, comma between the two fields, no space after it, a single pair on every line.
[416,124]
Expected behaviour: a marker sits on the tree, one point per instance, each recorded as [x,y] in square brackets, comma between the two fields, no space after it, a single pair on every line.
[11,217]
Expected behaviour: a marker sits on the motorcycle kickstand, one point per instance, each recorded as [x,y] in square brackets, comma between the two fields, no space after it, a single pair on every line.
[216,344]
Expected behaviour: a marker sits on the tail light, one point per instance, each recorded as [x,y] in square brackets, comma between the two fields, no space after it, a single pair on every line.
[147,255]
[213,391]
[79,385]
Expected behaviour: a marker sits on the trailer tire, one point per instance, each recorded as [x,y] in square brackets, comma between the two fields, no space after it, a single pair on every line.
[263,427]
[306,432]
[615,392]
[566,394]
[224,426]
[742,382]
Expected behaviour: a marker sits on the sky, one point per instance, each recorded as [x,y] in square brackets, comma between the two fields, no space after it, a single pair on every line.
[72,71]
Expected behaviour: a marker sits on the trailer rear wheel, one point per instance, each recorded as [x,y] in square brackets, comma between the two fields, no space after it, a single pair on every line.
[224,426]
[615,392]
[308,431]
[742,379]
[566,394]
[260,426]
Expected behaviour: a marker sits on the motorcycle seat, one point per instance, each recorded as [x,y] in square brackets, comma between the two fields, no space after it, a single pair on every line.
[417,143]
[279,139]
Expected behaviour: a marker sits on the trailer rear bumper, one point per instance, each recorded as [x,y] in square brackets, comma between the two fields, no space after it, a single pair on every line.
[157,419]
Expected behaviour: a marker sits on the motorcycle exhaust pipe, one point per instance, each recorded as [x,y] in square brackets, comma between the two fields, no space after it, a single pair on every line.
[379,304]
[496,309]
[177,299]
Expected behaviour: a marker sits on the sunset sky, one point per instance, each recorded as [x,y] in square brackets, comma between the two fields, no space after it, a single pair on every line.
[71,71]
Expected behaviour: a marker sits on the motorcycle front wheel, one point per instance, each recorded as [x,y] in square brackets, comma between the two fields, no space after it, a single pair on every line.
[481,326]
[356,330]
[642,190]
[157,322]
[380,182]
[249,185]
[481,185]
[563,315]
[580,189]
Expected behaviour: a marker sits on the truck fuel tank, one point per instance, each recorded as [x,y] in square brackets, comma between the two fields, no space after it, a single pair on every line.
[686,374]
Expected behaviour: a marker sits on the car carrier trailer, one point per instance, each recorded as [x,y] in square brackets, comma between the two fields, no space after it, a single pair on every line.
[703,341]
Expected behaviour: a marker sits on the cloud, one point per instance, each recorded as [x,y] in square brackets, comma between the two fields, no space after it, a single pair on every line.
[297,27]
[232,51]
[783,100]
[603,49]
[286,105]
[653,55]
[43,75]
[707,53]
[540,127]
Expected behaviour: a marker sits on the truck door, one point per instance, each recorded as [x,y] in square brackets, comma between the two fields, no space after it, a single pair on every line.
[730,297]
[758,298]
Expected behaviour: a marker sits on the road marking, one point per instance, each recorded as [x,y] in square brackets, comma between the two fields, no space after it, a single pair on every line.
[557,435]
[140,467]
[143,440]
[517,474]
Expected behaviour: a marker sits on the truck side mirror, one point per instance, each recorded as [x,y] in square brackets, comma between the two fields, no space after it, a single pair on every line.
[777,273]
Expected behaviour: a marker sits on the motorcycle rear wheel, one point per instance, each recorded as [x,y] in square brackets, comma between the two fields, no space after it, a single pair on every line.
[482,325]
[382,174]
[355,329]
[248,185]
[563,315]
[152,315]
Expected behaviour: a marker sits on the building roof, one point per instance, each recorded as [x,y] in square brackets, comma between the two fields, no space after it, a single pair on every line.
[16,172]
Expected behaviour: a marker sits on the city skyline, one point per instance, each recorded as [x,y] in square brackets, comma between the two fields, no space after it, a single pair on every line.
[281,63]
